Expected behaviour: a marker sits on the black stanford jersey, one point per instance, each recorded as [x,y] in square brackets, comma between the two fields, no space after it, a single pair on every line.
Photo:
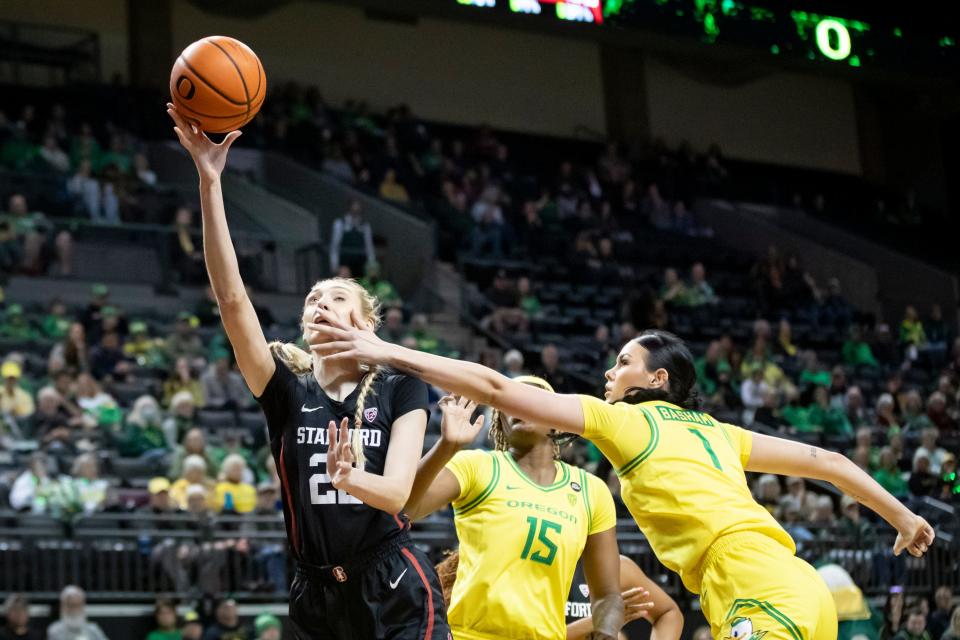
[578,602]
[326,526]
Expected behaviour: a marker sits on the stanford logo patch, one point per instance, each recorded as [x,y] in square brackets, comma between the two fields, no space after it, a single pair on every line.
[370,414]
[585,590]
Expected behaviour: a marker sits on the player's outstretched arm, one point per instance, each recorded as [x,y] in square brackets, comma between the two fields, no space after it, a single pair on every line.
[601,568]
[785,457]
[435,487]
[236,311]
[476,382]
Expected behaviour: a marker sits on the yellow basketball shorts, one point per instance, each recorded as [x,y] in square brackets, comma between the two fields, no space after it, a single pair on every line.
[753,587]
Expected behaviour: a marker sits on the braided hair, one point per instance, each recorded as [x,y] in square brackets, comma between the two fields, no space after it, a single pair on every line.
[667,351]
[356,440]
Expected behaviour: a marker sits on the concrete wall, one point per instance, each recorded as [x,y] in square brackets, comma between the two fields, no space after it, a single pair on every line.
[107,17]
[782,118]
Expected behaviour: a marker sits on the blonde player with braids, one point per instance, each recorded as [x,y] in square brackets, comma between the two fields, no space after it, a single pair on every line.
[343,490]
[524,519]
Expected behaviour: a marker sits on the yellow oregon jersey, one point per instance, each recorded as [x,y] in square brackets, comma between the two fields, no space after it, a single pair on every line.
[519,545]
[681,476]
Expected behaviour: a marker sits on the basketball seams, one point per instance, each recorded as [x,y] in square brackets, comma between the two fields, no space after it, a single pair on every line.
[217,91]
[243,81]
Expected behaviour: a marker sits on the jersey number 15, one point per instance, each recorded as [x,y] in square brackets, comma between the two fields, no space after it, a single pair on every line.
[330,496]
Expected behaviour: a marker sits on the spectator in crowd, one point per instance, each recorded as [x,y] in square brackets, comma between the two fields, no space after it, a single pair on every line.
[391,190]
[16,614]
[72,351]
[55,157]
[710,366]
[768,492]
[91,398]
[194,444]
[165,616]
[227,625]
[73,623]
[798,499]
[55,324]
[223,388]
[95,198]
[160,504]
[886,411]
[143,435]
[914,419]
[915,627]
[507,316]
[194,473]
[831,420]
[351,241]
[938,413]
[912,333]
[834,309]
[30,489]
[770,413]
[823,514]
[392,329]
[267,627]
[185,256]
[232,493]
[182,380]
[673,290]
[489,229]
[922,482]
[232,443]
[752,392]
[853,406]
[550,369]
[938,622]
[107,360]
[703,633]
[39,242]
[141,168]
[853,531]
[192,628]
[784,344]
[953,630]
[893,618]
[141,348]
[15,324]
[184,341]
[888,474]
[700,292]
[14,400]
[928,448]
[513,363]
[382,290]
[423,337]
[529,303]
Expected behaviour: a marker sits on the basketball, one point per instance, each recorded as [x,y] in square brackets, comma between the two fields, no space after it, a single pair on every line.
[218,84]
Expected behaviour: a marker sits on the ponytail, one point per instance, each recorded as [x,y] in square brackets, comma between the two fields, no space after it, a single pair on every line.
[667,351]
[296,359]
[356,441]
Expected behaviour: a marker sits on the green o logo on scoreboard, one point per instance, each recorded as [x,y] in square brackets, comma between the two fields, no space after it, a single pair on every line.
[833,39]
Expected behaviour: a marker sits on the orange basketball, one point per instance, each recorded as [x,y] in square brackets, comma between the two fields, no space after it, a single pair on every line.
[218,84]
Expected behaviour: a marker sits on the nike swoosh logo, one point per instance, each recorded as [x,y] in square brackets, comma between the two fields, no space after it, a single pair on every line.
[305,410]
[394,583]
[510,487]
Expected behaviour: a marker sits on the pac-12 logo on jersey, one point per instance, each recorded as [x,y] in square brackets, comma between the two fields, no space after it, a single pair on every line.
[585,590]
[370,414]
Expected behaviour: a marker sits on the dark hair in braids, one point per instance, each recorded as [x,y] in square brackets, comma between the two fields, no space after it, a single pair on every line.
[667,351]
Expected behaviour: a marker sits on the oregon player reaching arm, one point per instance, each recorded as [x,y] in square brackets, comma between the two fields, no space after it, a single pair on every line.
[682,474]
[523,519]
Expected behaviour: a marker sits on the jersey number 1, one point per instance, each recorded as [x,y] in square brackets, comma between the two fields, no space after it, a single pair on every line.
[706,445]
[331,496]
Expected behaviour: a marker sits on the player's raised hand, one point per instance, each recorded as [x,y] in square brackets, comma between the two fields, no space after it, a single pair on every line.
[209,156]
[340,456]
[636,604]
[336,339]
[916,537]
[456,427]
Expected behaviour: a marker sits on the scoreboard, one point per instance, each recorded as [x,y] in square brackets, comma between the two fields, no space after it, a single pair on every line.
[853,41]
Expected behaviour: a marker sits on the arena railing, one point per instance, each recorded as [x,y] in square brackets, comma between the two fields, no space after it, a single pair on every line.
[126,556]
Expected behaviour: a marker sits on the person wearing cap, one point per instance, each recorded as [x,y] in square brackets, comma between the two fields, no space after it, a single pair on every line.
[527,463]
[184,341]
[854,532]
[165,615]
[15,324]
[16,613]
[14,400]
[160,502]
[141,348]
[192,628]
[267,627]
